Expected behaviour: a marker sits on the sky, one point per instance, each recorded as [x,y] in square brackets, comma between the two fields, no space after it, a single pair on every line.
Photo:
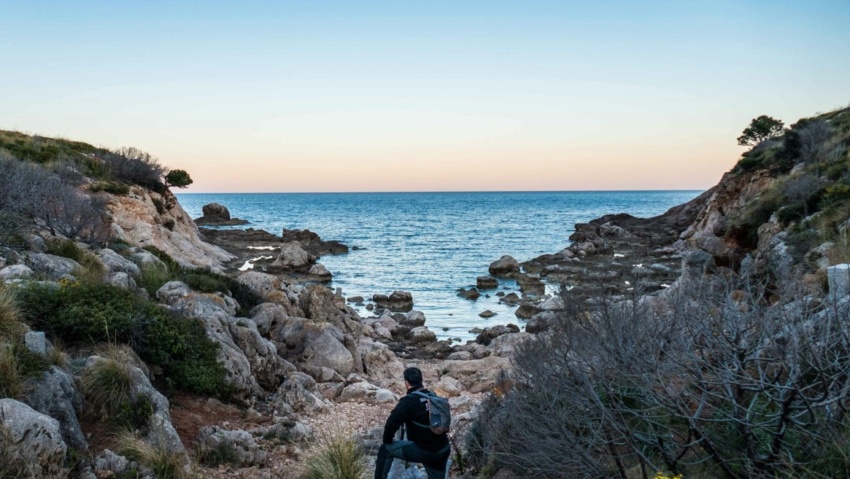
[314,96]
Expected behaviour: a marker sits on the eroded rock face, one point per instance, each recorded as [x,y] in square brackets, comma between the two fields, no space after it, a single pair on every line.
[299,394]
[137,220]
[269,368]
[55,395]
[325,347]
[31,442]
[243,450]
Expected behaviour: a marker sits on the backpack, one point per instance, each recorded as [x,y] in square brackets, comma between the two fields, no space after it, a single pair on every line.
[439,413]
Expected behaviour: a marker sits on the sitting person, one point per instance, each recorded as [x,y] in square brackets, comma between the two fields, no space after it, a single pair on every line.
[422,445]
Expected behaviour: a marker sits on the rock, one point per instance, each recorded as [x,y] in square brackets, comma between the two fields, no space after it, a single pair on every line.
[460,356]
[487,314]
[266,365]
[539,322]
[355,299]
[487,282]
[54,394]
[325,348]
[109,464]
[504,266]
[477,375]
[398,301]
[285,430]
[15,271]
[448,387]
[299,394]
[30,442]
[411,320]
[470,293]
[122,280]
[115,263]
[294,258]
[379,362]
[552,304]
[312,243]
[526,311]
[493,332]
[264,315]
[838,277]
[510,298]
[215,211]
[36,342]
[273,290]
[368,393]
[52,267]
[145,258]
[531,284]
[320,272]
[421,334]
[504,345]
[239,447]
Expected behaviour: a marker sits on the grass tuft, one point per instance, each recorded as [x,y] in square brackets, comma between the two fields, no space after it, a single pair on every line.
[107,385]
[165,465]
[11,379]
[11,320]
[335,456]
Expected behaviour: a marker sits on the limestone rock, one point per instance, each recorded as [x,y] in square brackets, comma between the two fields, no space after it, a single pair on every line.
[52,267]
[31,442]
[369,393]
[320,272]
[109,464]
[293,257]
[325,347]
[299,394]
[15,271]
[504,266]
[243,449]
[493,332]
[838,277]
[486,282]
[421,334]
[477,375]
[115,263]
[36,342]
[266,365]
[122,280]
[398,301]
[55,395]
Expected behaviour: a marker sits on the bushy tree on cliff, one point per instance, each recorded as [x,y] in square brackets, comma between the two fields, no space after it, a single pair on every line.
[761,129]
[178,178]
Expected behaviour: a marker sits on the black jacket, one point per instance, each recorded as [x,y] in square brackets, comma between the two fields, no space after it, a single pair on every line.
[410,409]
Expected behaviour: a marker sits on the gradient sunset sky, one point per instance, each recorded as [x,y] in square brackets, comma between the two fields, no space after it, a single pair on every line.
[422,96]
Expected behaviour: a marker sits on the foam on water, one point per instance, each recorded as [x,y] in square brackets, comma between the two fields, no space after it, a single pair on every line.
[431,244]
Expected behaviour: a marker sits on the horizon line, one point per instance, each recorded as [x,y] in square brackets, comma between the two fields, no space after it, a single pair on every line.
[683,190]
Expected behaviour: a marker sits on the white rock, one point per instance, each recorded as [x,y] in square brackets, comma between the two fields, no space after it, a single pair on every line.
[31,439]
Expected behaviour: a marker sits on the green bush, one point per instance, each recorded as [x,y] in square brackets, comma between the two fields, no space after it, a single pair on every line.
[178,178]
[112,187]
[159,205]
[169,224]
[86,313]
[92,267]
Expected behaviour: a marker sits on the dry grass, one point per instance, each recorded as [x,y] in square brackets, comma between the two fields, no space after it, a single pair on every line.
[11,380]
[166,465]
[11,323]
[107,385]
[336,454]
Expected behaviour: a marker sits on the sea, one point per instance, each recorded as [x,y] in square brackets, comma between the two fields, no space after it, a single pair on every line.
[432,244]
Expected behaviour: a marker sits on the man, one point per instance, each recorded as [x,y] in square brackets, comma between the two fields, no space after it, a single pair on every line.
[422,445]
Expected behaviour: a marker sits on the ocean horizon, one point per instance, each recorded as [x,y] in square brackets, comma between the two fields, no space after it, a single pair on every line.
[433,243]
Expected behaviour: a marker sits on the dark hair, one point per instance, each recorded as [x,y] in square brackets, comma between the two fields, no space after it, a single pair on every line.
[413,376]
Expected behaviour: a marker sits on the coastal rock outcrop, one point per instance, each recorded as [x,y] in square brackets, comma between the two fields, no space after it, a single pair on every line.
[293,257]
[216,214]
[397,302]
[505,266]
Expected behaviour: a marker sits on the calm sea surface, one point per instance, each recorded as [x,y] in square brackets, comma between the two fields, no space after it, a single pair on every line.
[431,244]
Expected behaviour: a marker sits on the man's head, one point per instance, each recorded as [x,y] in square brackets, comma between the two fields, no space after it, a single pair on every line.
[413,377]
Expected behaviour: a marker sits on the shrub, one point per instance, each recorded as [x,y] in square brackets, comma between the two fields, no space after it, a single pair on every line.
[159,205]
[11,380]
[11,326]
[169,224]
[165,465]
[135,166]
[85,313]
[93,269]
[153,277]
[107,385]
[715,379]
[112,187]
[222,453]
[336,456]
[178,178]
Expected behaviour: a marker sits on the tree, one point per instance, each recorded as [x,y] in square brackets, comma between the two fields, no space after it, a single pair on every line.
[178,178]
[760,129]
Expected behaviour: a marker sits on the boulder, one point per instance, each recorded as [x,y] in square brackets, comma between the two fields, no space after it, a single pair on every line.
[487,314]
[493,332]
[284,429]
[266,365]
[293,257]
[299,394]
[504,267]
[448,387]
[320,272]
[460,356]
[15,271]
[510,298]
[109,464]
[265,315]
[55,395]
[411,319]
[470,293]
[325,348]
[421,334]
[31,443]
[531,285]
[368,393]
[312,243]
[379,362]
[52,267]
[486,282]
[237,446]
[504,345]
[145,258]
[215,211]
[398,301]
[272,289]
[477,375]
[115,263]
[37,342]
[122,280]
